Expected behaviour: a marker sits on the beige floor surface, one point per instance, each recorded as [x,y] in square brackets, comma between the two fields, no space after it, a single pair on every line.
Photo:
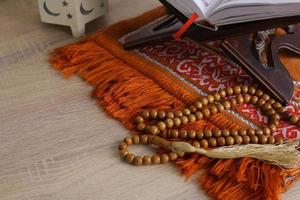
[55,142]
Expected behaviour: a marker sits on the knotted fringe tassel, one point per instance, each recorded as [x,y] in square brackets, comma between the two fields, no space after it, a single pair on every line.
[284,155]
[121,90]
[235,179]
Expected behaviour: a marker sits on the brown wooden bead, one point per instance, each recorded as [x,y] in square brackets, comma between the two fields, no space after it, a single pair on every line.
[196,144]
[169,123]
[191,118]
[271,101]
[213,110]
[234,133]
[204,101]
[240,99]
[221,141]
[193,109]
[222,93]
[183,134]
[227,105]
[254,139]
[266,107]
[208,134]
[281,110]
[198,105]
[237,89]
[294,119]
[191,134]
[154,130]
[123,145]
[184,120]
[173,156]
[259,132]
[186,111]
[128,140]
[245,89]
[275,117]
[146,114]
[155,159]
[267,131]
[220,108]
[229,91]
[229,140]
[141,127]
[225,133]
[217,97]
[276,105]
[199,115]
[147,160]
[161,126]
[178,113]
[254,99]
[259,93]
[272,127]
[144,139]
[271,140]
[130,158]
[164,158]
[206,113]
[261,102]
[138,160]
[242,132]
[279,140]
[252,90]
[238,139]
[212,142]
[275,123]
[217,133]
[233,102]
[181,154]
[161,114]
[136,139]
[139,119]
[199,135]
[266,97]
[247,98]
[251,132]
[175,133]
[270,112]
[204,143]
[246,139]
[177,121]
[170,115]
[123,153]
[263,139]
[153,114]
[210,99]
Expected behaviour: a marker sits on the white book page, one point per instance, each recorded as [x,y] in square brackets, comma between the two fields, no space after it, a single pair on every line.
[207,6]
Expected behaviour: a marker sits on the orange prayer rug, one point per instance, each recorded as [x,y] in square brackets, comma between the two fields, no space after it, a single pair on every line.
[170,75]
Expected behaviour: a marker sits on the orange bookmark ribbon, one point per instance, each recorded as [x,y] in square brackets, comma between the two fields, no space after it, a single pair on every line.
[185,26]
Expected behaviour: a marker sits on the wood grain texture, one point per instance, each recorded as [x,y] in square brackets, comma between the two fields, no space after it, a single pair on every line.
[55,142]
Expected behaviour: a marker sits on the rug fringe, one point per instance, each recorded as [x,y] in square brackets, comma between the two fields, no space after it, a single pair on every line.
[124,92]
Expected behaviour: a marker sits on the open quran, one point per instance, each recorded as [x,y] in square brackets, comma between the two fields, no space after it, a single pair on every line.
[224,12]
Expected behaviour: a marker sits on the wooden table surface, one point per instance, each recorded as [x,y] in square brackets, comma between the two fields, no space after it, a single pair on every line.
[55,142]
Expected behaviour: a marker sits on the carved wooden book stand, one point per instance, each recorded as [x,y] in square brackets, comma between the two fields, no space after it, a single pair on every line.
[252,45]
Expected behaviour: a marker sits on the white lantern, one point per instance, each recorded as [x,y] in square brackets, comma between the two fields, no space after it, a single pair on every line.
[73,13]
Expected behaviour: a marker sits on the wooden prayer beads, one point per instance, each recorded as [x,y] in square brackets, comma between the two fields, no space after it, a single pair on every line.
[169,123]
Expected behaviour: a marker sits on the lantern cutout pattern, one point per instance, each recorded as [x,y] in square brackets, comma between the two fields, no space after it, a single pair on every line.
[73,13]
